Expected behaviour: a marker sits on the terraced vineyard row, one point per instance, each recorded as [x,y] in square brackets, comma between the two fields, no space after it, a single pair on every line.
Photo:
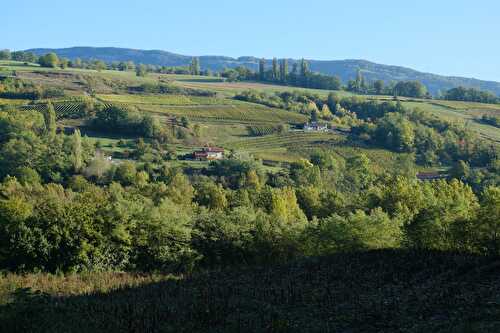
[243,114]
[170,100]
[261,130]
[294,140]
[65,109]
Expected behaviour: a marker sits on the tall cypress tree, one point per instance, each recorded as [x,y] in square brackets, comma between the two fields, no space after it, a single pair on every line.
[304,71]
[304,68]
[262,69]
[197,67]
[360,81]
[283,70]
[275,69]
[50,121]
[194,68]
[77,151]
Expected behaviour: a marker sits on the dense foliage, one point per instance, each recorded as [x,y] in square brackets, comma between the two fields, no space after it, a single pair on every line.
[14,88]
[470,95]
[401,88]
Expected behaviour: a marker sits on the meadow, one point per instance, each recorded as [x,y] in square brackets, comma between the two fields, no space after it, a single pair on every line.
[462,112]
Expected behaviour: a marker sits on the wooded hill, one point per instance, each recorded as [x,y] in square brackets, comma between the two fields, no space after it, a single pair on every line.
[345,69]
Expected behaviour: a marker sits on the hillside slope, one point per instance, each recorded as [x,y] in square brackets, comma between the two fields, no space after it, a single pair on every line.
[345,69]
[378,291]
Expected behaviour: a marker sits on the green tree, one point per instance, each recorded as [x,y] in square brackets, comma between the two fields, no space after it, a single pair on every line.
[27,175]
[262,69]
[360,82]
[126,173]
[141,70]
[49,60]
[304,68]
[284,70]
[332,101]
[162,239]
[275,70]
[180,190]
[325,112]
[77,154]
[358,231]
[378,86]
[446,221]
[77,63]
[195,66]
[211,196]
[5,54]
[50,121]
[100,65]
[487,229]
[63,62]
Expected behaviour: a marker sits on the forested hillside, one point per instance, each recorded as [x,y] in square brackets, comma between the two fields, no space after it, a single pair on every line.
[345,69]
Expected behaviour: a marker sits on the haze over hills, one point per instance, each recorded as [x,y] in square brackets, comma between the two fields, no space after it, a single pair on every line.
[345,69]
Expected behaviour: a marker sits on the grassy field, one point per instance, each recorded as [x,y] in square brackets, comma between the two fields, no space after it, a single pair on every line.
[378,291]
[6,101]
[231,88]
[165,99]
[460,112]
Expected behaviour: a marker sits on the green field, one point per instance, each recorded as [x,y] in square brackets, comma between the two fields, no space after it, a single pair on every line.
[461,112]
[232,88]
[165,99]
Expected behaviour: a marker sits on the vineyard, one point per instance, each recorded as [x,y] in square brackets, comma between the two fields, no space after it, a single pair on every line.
[294,140]
[174,100]
[65,109]
[261,130]
[245,114]
[294,145]
[378,291]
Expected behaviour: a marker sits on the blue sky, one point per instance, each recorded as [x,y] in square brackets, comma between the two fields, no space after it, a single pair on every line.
[450,37]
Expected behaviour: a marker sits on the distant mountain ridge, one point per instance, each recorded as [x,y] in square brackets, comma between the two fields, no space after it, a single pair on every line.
[345,69]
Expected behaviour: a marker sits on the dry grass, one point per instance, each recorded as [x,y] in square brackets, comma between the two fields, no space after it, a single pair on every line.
[73,284]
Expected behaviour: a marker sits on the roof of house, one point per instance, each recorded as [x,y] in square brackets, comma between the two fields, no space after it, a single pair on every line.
[213,150]
[314,124]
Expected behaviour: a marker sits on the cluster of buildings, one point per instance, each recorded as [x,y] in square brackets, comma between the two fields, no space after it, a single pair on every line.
[209,154]
[315,127]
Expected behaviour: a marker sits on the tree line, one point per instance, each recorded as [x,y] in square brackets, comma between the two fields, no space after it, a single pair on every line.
[298,75]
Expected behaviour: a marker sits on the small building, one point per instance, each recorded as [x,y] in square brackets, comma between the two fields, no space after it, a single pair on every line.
[209,154]
[315,127]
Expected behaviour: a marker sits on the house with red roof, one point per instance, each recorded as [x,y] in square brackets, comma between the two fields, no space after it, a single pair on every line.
[209,154]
